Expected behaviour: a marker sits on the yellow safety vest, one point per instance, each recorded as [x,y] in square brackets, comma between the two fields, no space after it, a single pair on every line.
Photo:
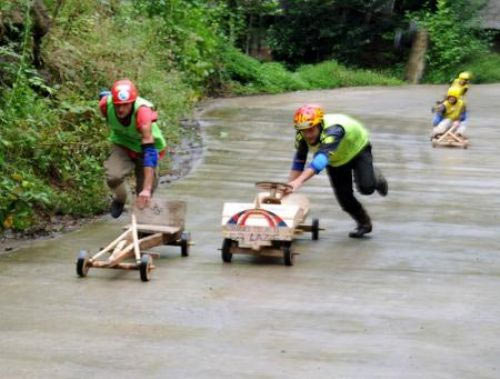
[453,111]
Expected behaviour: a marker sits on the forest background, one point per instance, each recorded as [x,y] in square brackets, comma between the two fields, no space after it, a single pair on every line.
[55,57]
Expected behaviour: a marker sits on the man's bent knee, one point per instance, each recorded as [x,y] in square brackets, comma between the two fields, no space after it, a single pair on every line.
[114,182]
[366,190]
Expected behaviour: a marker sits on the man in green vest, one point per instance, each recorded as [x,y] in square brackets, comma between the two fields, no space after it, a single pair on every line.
[137,144]
[341,145]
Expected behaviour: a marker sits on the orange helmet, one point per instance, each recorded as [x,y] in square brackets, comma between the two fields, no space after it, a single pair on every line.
[123,92]
[308,116]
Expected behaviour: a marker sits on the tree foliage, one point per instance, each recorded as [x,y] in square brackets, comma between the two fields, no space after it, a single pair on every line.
[352,31]
[455,39]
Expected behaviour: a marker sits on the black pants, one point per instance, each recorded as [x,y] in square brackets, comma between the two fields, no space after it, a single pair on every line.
[364,177]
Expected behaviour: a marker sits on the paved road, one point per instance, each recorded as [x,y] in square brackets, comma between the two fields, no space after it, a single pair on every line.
[419,299]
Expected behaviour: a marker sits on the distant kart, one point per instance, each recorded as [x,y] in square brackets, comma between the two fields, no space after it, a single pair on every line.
[268,226]
[160,224]
[450,139]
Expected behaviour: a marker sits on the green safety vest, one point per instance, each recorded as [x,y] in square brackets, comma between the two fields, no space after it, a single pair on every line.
[129,136]
[355,139]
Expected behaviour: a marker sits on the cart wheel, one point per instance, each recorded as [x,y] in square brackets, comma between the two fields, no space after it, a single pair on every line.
[226,250]
[185,238]
[287,255]
[145,267]
[315,229]
[82,267]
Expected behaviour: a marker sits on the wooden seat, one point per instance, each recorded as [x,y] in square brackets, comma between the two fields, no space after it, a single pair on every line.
[162,216]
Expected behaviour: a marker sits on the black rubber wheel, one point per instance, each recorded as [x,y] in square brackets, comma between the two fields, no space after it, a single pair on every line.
[288,255]
[315,229]
[82,267]
[185,238]
[227,256]
[145,267]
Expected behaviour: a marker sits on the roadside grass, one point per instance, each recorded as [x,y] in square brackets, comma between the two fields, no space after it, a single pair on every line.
[484,68]
[247,75]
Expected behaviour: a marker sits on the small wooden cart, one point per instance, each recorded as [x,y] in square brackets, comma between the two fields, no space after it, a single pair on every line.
[450,139]
[268,226]
[160,224]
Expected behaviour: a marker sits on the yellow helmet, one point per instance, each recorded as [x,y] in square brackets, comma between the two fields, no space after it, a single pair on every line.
[455,92]
[308,116]
[464,75]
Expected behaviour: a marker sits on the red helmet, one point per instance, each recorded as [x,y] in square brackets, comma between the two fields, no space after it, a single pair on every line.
[123,92]
[308,116]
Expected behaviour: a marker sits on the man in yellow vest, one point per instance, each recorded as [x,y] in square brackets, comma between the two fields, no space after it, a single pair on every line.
[341,145]
[137,141]
[451,113]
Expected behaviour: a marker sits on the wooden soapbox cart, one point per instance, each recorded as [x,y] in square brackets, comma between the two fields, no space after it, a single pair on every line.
[450,139]
[160,224]
[268,226]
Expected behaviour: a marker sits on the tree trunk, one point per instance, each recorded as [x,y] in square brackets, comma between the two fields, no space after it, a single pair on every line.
[416,62]
[249,35]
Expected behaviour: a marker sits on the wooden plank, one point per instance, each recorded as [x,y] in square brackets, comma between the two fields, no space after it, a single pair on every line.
[144,244]
[119,266]
[299,200]
[137,251]
[256,237]
[118,255]
[158,228]
[119,246]
[162,212]
[111,245]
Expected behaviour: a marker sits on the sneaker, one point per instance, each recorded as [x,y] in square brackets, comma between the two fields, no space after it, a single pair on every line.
[360,231]
[382,185]
[116,208]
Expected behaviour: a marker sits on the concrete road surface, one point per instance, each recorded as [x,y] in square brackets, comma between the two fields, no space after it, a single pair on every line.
[419,299]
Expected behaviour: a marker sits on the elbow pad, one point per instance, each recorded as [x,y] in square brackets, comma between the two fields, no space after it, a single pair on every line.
[150,155]
[319,162]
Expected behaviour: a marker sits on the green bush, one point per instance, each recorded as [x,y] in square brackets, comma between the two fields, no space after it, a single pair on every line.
[484,68]
[249,76]
[52,137]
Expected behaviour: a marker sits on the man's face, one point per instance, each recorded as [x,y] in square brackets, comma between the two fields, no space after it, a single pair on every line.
[463,82]
[123,110]
[452,99]
[311,135]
